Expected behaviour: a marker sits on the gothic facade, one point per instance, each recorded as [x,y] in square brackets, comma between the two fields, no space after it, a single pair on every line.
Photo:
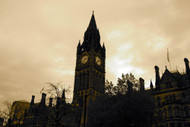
[171,94]
[172,98]
[89,84]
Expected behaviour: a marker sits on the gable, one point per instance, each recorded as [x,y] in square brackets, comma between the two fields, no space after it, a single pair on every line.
[167,77]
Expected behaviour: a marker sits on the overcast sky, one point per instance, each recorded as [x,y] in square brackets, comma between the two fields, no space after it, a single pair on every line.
[38,40]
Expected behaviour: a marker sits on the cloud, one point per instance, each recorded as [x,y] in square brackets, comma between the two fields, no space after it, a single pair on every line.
[38,40]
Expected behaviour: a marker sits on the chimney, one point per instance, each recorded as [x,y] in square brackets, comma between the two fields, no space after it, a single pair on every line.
[43,100]
[63,97]
[32,101]
[130,86]
[187,65]
[50,102]
[58,102]
[157,77]
[141,84]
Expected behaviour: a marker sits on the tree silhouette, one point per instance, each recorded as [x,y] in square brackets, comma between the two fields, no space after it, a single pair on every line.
[121,108]
[60,114]
[55,91]
[127,110]
[122,85]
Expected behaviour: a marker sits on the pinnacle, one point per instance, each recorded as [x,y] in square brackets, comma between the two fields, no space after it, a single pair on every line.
[92,23]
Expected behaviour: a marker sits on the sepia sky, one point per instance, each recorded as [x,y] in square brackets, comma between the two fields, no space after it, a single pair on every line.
[38,40]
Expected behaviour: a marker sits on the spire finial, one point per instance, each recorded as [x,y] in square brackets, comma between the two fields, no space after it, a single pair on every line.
[92,23]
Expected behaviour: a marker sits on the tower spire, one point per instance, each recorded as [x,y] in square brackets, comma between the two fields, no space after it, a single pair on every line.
[79,48]
[90,59]
[91,36]
[92,23]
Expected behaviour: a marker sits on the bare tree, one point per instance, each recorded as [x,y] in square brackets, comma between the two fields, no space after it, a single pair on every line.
[55,90]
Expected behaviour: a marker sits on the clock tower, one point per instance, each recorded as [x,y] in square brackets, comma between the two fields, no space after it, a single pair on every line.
[90,71]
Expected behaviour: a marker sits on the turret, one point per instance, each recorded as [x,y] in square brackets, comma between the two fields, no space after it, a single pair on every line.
[91,36]
[157,77]
[58,102]
[43,99]
[79,48]
[187,66]
[50,102]
[32,100]
[141,84]
[63,97]
[103,50]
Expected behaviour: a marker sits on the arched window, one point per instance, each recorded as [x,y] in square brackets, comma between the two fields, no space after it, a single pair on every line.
[173,97]
[185,111]
[164,114]
[160,115]
[166,99]
[170,98]
[176,111]
[170,112]
[180,112]
[158,101]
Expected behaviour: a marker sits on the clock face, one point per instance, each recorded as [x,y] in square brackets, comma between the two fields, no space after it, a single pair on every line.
[98,60]
[84,59]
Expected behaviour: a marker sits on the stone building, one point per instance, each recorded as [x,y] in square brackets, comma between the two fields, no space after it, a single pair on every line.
[172,98]
[37,114]
[171,94]
[57,115]
[89,83]
[17,113]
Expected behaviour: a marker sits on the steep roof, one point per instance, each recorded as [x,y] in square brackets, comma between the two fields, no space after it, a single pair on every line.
[92,24]
[167,77]
[91,36]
